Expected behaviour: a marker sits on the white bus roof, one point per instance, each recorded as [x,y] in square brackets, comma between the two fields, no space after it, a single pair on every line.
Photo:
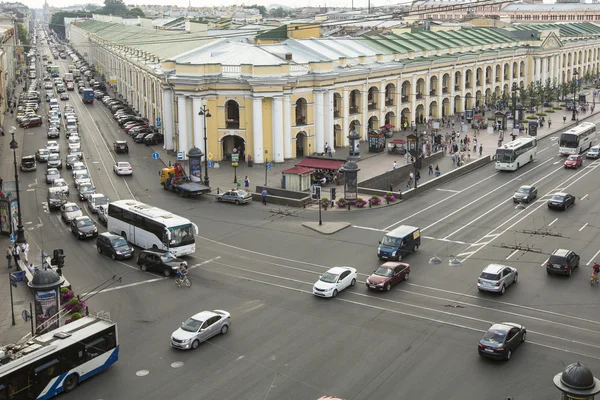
[50,342]
[517,142]
[580,128]
[159,215]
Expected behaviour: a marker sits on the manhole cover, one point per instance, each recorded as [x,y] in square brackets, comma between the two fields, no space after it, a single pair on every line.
[142,372]
[177,364]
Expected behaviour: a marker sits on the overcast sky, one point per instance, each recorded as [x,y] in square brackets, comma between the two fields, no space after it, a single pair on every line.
[203,3]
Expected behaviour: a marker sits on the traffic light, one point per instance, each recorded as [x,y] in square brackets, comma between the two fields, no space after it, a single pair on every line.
[316,193]
[332,193]
[58,258]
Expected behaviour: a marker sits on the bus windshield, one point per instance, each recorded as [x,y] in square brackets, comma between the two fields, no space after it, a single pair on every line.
[181,235]
[505,156]
[568,140]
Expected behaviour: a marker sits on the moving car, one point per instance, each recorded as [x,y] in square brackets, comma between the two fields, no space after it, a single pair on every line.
[121,146]
[562,262]
[400,242]
[42,155]
[64,96]
[53,133]
[496,278]
[235,196]
[53,146]
[96,200]
[103,214]
[561,201]
[334,281]
[574,161]
[593,153]
[388,275]
[158,261]
[28,163]
[501,340]
[525,194]
[85,190]
[62,185]
[54,161]
[52,174]
[70,211]
[83,227]
[123,168]
[199,328]
[114,246]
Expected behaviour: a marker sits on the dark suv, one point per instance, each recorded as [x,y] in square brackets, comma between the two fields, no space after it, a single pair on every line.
[114,246]
[159,261]
[562,262]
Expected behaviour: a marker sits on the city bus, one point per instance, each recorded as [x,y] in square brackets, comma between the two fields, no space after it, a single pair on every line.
[55,362]
[577,139]
[515,154]
[152,228]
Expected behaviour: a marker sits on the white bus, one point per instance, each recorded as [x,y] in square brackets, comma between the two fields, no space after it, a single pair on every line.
[152,228]
[57,361]
[515,154]
[577,139]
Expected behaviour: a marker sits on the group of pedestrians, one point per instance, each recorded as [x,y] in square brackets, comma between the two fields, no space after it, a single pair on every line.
[15,251]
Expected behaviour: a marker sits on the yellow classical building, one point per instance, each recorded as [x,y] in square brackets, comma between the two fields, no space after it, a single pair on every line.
[285,100]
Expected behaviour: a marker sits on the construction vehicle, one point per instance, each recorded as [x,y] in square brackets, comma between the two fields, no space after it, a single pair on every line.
[175,179]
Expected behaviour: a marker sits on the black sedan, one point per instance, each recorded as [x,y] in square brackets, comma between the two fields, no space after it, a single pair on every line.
[561,201]
[153,138]
[139,138]
[83,227]
[501,340]
[525,194]
[159,261]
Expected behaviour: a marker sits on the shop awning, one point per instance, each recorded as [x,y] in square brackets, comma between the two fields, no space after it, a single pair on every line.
[298,170]
[321,163]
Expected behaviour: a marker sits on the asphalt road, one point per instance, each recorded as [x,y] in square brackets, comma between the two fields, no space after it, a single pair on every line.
[416,341]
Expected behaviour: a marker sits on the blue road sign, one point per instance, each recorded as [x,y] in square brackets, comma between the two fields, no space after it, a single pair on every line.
[268,166]
[158,122]
[155,155]
[180,155]
[12,237]
[209,163]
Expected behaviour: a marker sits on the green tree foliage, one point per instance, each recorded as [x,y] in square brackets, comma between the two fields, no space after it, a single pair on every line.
[22,32]
[279,12]
[261,9]
[57,22]
[114,7]
[134,13]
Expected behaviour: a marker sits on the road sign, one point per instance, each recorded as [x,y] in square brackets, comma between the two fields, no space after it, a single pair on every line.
[180,155]
[268,166]
[158,122]
[12,237]
[155,155]
[235,160]
[25,315]
[209,163]
[209,156]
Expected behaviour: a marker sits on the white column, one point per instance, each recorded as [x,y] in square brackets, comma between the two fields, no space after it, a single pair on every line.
[552,69]
[537,69]
[381,104]
[544,70]
[346,110]
[427,97]
[182,116]
[398,102]
[287,127]
[319,123]
[167,118]
[198,124]
[413,100]
[277,129]
[329,119]
[365,111]
[257,128]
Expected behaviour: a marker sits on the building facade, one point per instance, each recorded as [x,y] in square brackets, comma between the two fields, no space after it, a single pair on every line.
[8,65]
[286,100]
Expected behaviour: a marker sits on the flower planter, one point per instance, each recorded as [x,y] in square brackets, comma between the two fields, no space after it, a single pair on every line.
[360,204]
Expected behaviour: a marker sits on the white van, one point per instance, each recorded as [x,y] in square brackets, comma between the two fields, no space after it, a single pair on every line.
[71,123]
[54,103]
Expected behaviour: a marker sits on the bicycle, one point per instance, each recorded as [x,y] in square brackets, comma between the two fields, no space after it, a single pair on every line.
[183,281]
[594,279]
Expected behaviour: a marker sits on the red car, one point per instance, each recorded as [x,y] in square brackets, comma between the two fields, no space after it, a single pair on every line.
[574,161]
[387,275]
[31,122]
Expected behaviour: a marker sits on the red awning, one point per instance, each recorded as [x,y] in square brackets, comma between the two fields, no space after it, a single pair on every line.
[398,141]
[321,163]
[298,170]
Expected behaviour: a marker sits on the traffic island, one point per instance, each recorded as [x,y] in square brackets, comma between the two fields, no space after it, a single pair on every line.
[327,228]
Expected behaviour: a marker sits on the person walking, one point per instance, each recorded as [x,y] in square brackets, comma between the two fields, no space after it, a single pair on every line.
[25,251]
[1,183]
[430,169]
[549,123]
[246,183]
[409,184]
[391,187]
[437,171]
[15,254]
[417,177]
[564,118]
[480,149]
[395,165]
[9,256]
[264,196]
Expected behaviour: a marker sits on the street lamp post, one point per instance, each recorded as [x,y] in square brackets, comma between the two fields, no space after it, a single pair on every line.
[574,116]
[14,146]
[204,112]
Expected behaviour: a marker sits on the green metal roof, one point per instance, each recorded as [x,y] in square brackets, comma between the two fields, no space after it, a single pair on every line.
[566,30]
[164,44]
[279,33]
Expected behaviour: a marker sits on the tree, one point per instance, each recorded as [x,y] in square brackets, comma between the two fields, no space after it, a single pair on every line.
[57,22]
[22,32]
[135,12]
[114,7]
[279,12]
[261,9]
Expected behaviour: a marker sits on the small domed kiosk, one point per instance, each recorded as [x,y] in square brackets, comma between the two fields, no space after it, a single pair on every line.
[577,382]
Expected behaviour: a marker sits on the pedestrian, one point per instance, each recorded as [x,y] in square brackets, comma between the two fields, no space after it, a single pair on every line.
[437,171]
[430,169]
[246,182]
[564,118]
[395,165]
[326,147]
[409,184]
[480,149]
[417,177]
[9,256]
[1,183]
[15,254]
[468,154]
[2,131]
[549,123]
[391,187]
[25,251]
[330,152]
[411,176]
[264,196]
[238,182]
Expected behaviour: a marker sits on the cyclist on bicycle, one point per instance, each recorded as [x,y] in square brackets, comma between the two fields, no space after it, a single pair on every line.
[596,269]
[182,270]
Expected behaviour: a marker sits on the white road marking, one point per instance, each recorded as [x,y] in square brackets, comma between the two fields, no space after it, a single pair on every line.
[593,258]
[111,289]
[583,227]
[554,144]
[445,240]
[557,162]
[28,223]
[31,190]
[464,254]
[491,235]
[545,148]
[448,190]
[583,198]
[554,138]
[552,223]
[204,262]
[368,228]
[512,254]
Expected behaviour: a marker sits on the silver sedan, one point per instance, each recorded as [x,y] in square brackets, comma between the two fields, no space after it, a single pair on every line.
[199,328]
[52,174]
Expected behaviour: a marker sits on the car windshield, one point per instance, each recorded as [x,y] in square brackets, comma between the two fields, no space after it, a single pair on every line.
[572,158]
[558,197]
[60,183]
[86,188]
[52,172]
[568,140]
[391,241]
[524,189]
[494,336]
[45,151]
[118,242]
[329,277]
[505,156]
[83,176]
[182,235]
[192,325]
[54,157]
[71,208]
[490,277]
[72,158]
[84,222]
[167,257]
[387,272]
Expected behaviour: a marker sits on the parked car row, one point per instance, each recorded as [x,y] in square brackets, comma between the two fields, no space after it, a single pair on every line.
[133,125]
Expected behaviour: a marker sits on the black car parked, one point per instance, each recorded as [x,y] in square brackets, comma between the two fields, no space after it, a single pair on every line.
[114,246]
[159,261]
[153,138]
